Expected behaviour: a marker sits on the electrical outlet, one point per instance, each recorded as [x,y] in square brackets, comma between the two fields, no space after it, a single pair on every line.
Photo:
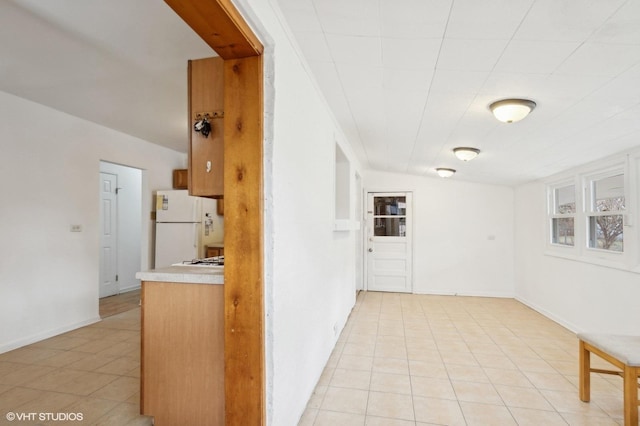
[76,228]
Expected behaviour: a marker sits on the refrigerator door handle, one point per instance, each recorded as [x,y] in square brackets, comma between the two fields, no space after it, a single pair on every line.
[198,209]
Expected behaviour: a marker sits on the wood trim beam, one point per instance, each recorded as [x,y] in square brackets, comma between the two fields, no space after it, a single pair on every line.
[243,242]
[220,25]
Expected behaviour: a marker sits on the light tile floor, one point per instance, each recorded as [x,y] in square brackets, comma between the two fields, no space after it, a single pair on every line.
[444,360]
[119,303]
[94,371]
[401,360]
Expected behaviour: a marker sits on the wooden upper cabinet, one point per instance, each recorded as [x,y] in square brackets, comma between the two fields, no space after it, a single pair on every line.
[206,154]
[180,179]
[220,207]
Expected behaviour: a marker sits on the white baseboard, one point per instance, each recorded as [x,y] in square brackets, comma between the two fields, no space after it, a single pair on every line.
[128,289]
[24,341]
[569,326]
[468,293]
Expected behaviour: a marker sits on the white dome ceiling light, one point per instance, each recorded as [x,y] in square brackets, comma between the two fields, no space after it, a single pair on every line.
[444,172]
[465,153]
[512,110]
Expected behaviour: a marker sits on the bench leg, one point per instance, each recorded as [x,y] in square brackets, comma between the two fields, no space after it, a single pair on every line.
[631,395]
[585,373]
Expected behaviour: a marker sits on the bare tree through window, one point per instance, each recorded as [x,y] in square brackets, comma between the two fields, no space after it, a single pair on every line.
[610,228]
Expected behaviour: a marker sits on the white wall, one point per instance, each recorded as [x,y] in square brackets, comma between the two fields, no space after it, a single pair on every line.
[463,233]
[49,171]
[581,296]
[309,268]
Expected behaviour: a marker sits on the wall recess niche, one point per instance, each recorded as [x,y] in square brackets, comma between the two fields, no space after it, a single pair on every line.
[343,220]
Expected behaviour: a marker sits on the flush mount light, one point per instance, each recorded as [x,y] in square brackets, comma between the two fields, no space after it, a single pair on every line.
[512,110]
[445,173]
[465,153]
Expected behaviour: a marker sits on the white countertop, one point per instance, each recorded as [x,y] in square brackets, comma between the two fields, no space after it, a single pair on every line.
[185,274]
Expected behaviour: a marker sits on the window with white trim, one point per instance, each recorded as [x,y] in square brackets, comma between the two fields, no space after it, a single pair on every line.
[563,214]
[605,206]
[593,213]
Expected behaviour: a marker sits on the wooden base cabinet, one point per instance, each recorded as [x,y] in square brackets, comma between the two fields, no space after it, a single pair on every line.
[182,357]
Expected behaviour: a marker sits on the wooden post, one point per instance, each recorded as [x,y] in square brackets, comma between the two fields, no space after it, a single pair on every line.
[630,376]
[584,373]
[243,249]
[221,26]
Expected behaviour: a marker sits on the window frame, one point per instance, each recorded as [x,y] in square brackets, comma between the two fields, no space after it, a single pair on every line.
[590,211]
[552,214]
[627,164]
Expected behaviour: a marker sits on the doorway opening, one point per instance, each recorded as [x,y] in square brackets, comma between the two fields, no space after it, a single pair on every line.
[358,234]
[389,245]
[120,228]
[119,303]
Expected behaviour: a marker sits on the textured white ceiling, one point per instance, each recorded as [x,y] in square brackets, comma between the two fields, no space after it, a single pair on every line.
[409,80]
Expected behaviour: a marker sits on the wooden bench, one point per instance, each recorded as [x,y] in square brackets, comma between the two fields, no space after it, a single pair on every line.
[621,351]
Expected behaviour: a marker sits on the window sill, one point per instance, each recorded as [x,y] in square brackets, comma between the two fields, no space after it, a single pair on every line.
[598,261]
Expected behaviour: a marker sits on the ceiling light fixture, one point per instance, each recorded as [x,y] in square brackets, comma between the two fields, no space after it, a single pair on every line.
[465,153]
[512,110]
[445,173]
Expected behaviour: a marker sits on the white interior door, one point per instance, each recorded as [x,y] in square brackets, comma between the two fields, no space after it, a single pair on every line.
[108,233]
[389,247]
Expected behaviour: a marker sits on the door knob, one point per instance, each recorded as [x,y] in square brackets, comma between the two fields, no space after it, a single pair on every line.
[370,250]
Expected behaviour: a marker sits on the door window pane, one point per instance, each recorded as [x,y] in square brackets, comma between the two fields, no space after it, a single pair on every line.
[389,206]
[389,218]
[390,227]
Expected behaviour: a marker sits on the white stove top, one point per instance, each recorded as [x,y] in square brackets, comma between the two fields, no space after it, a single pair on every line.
[208,262]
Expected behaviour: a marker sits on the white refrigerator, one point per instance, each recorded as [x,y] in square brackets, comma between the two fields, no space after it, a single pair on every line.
[184,226]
